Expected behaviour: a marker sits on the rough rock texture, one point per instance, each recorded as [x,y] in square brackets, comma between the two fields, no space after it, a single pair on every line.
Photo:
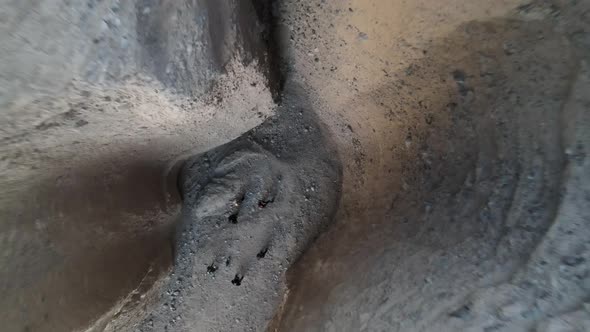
[444,141]
[465,188]
[250,208]
[97,100]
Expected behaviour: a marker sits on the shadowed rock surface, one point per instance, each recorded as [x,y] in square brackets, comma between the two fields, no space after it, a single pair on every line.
[295,166]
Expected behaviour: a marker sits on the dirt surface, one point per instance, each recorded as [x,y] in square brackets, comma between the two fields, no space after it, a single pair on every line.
[463,130]
[250,208]
[438,147]
[96,108]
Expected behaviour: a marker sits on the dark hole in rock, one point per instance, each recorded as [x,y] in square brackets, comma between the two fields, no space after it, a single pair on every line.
[263,204]
[211,268]
[262,253]
[237,280]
